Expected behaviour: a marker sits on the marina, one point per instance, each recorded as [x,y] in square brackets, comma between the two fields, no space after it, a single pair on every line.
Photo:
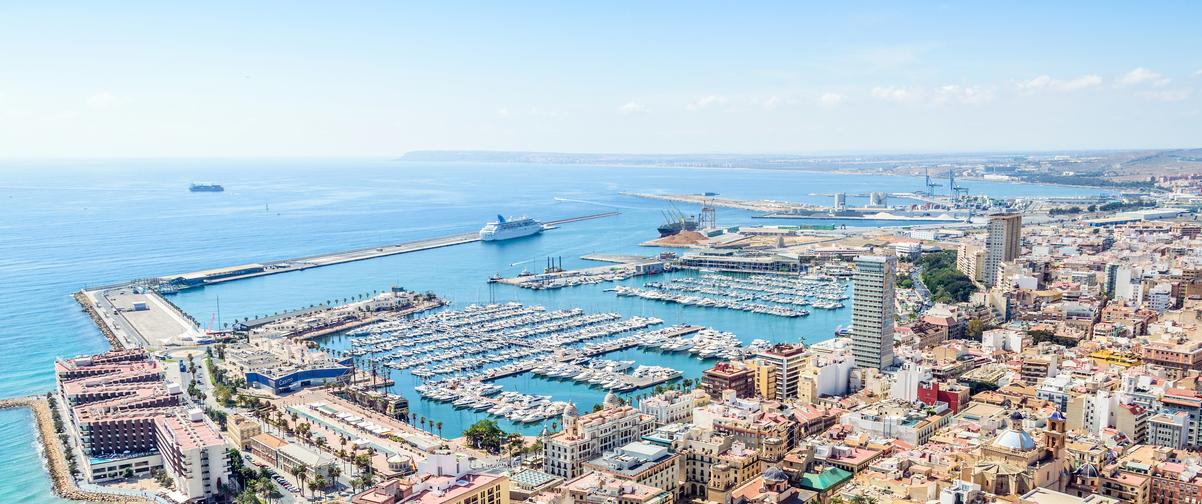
[513,339]
[777,295]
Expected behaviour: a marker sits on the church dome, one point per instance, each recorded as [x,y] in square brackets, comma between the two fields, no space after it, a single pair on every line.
[570,410]
[1057,415]
[1087,471]
[775,474]
[1015,440]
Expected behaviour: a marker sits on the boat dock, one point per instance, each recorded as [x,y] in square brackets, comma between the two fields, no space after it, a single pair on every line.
[251,270]
[620,258]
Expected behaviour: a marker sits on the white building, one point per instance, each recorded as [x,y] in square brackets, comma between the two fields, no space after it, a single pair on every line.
[905,383]
[673,406]
[1002,339]
[587,437]
[1160,297]
[194,454]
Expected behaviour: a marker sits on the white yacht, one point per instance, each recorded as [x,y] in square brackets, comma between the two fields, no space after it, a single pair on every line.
[506,229]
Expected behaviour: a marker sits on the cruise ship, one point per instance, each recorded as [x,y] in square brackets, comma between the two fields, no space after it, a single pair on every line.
[206,188]
[504,229]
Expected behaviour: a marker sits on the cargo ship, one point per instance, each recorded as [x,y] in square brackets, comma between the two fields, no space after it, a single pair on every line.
[206,188]
[677,222]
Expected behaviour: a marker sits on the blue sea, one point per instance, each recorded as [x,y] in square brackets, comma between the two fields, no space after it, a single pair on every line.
[69,224]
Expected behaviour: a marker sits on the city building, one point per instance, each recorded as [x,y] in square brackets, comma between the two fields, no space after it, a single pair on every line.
[970,260]
[642,463]
[281,365]
[1003,243]
[872,311]
[194,454]
[729,375]
[604,488]
[587,437]
[128,420]
[673,405]
[442,478]
[240,430]
[785,362]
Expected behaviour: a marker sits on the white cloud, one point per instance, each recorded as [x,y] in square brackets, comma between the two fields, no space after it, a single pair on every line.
[895,94]
[771,103]
[1142,75]
[101,100]
[971,95]
[1167,95]
[706,102]
[1047,82]
[631,108]
[830,100]
[503,112]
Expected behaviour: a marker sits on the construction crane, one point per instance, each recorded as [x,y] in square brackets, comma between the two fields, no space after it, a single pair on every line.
[930,185]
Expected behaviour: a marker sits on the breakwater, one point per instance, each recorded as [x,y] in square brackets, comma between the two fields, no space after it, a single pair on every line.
[82,298]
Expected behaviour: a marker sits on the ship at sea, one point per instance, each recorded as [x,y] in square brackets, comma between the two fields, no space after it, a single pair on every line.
[206,188]
[675,222]
[507,229]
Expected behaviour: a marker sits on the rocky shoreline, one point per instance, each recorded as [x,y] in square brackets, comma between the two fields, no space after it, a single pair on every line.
[56,462]
[83,301]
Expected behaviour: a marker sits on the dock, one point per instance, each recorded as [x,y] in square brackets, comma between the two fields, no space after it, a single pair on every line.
[252,270]
[593,351]
[620,258]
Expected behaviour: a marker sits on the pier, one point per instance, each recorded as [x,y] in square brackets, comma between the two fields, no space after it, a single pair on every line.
[251,270]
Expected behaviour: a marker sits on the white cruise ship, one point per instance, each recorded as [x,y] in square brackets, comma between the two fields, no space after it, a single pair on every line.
[504,229]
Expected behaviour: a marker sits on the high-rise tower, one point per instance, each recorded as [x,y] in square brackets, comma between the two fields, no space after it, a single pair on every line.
[1002,243]
[872,311]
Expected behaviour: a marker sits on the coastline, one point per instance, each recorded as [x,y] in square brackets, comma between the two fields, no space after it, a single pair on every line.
[56,461]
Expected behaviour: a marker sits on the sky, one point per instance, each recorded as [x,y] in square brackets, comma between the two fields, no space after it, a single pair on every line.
[367,79]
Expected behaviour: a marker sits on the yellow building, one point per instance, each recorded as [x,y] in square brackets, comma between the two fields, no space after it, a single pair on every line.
[240,429]
[1119,359]
[765,379]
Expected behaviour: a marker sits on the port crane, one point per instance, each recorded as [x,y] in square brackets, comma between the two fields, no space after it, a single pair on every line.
[957,190]
[930,185]
[709,215]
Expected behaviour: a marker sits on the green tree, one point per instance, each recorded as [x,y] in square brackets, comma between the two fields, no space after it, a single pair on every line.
[485,435]
[975,329]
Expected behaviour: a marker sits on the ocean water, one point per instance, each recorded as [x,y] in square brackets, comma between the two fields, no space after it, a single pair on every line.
[69,224]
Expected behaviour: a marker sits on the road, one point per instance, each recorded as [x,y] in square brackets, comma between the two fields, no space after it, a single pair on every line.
[916,278]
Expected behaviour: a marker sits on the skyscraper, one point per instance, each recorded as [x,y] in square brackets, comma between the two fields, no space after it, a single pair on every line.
[872,311]
[1002,243]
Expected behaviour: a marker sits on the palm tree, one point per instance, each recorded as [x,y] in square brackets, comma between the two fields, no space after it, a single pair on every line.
[318,483]
[297,471]
[304,476]
[320,443]
[439,425]
[423,423]
[334,471]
